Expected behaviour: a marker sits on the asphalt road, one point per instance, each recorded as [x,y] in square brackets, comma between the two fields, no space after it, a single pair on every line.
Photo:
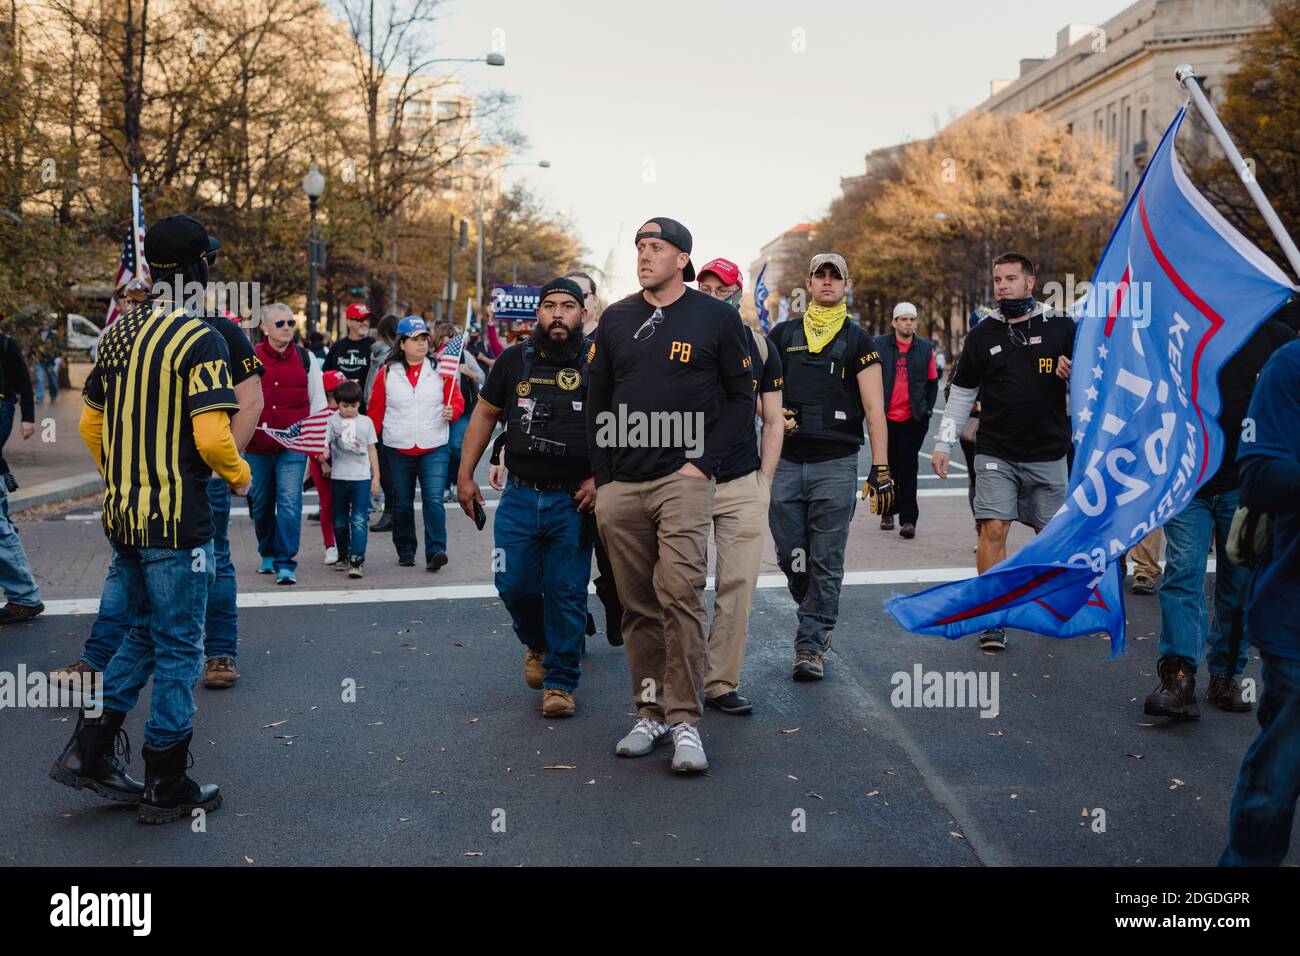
[444,758]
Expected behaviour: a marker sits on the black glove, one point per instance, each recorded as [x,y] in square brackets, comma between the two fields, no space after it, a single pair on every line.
[880,486]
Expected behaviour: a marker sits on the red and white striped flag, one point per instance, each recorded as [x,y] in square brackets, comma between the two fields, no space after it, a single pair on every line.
[449,356]
[132,268]
[306,436]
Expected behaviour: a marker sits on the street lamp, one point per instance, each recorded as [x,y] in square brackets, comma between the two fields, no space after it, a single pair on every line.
[313,184]
[478,273]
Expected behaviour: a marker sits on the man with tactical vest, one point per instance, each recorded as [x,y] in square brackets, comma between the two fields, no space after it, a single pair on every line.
[833,384]
[543,527]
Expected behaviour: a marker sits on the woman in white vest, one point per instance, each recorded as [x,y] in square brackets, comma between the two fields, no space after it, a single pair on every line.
[412,406]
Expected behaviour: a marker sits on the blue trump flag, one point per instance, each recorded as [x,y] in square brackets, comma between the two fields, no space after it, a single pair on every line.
[760,301]
[1177,291]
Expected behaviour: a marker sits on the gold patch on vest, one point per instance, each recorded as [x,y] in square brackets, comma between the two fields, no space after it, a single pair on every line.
[542,381]
[522,389]
[568,379]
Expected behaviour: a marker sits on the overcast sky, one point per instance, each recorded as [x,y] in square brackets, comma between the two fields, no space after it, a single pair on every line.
[702,110]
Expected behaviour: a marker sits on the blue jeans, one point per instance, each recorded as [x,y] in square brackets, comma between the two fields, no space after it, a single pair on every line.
[431,469]
[167,597]
[351,516]
[1263,808]
[222,630]
[275,504]
[543,578]
[15,573]
[43,372]
[221,633]
[1183,616]
[455,439]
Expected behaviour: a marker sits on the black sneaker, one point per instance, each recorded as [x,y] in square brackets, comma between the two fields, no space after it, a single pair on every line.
[436,561]
[405,561]
[729,703]
[994,639]
[385,523]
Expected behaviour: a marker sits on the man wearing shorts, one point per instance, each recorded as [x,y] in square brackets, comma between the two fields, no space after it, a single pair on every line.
[1019,365]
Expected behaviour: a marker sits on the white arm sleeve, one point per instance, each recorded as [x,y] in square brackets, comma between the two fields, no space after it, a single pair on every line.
[315,388]
[955,413]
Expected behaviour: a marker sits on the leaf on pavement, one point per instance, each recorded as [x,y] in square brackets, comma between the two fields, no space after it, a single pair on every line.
[248,859]
[472,853]
[792,730]
[874,793]
[278,723]
[561,766]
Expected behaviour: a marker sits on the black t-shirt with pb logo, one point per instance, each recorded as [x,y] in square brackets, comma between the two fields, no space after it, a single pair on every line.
[677,387]
[1022,400]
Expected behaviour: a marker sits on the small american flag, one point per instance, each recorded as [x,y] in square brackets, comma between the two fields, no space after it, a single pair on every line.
[306,436]
[132,256]
[449,356]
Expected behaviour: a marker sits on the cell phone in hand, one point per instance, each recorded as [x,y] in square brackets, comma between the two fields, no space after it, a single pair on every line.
[480,516]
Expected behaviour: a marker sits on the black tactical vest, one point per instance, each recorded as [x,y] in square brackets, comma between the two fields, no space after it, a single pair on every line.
[549,414]
[821,389]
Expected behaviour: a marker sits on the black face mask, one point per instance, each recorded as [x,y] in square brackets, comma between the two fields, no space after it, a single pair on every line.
[1015,308]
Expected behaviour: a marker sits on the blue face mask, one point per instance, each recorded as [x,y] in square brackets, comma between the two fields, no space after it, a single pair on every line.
[1015,308]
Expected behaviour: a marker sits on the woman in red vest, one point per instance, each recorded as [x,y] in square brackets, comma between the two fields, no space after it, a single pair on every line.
[413,407]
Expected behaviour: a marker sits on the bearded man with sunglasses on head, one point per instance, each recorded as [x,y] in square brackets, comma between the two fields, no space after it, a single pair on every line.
[1018,362]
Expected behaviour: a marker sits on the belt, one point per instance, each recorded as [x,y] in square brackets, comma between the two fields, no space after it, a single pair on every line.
[549,486]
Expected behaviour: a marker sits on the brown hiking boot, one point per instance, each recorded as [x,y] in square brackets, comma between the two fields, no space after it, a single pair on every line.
[1226,694]
[887,523]
[558,703]
[220,673]
[13,613]
[78,668]
[1176,695]
[1143,584]
[534,672]
[808,665]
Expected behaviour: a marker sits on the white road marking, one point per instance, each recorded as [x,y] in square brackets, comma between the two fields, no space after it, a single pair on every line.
[293,597]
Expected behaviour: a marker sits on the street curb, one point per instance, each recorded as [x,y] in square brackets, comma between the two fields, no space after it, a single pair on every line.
[60,489]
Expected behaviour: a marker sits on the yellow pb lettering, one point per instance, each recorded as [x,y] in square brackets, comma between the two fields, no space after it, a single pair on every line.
[1045,366]
[680,351]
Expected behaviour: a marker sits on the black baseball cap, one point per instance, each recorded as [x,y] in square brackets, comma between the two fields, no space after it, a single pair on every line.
[562,284]
[177,241]
[670,230]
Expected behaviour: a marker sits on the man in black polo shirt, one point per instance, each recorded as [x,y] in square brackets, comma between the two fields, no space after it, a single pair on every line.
[1018,363]
[833,386]
[542,527]
[671,388]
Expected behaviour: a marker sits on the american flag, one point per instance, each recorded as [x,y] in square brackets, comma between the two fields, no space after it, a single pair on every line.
[307,436]
[132,255]
[449,356]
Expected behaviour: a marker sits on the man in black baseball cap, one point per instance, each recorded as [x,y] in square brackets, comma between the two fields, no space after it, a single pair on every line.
[176,242]
[674,233]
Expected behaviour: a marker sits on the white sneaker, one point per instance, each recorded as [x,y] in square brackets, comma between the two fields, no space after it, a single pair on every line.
[688,749]
[646,735]
[331,554]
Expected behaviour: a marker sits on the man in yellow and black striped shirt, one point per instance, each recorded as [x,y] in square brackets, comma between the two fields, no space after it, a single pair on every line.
[156,419]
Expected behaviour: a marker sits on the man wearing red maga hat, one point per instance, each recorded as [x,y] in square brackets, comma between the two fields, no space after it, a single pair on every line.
[744,484]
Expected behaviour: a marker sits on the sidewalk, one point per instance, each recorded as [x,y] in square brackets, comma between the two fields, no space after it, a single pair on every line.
[53,465]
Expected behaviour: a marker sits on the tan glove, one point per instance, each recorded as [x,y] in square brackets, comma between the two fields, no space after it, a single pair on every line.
[791,425]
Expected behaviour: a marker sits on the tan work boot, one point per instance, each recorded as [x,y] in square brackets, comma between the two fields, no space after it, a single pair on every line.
[558,703]
[220,673]
[534,672]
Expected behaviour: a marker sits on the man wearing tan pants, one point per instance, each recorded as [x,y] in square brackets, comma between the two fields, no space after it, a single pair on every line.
[740,506]
[671,387]
[1146,555]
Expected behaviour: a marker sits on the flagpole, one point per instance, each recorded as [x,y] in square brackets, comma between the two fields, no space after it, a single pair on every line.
[1186,76]
[135,225]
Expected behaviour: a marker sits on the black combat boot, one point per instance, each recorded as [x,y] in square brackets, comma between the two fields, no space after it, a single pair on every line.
[1176,695]
[89,762]
[169,793]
